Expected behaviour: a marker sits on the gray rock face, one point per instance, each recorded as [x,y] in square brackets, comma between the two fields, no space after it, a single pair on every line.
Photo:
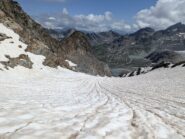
[165,56]
[40,41]
[93,38]
[21,60]
[3,37]
[60,34]
[132,51]
[78,50]
[102,37]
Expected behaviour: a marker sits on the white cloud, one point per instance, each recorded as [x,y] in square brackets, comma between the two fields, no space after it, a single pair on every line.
[49,24]
[108,15]
[52,18]
[90,22]
[65,11]
[162,15]
[121,25]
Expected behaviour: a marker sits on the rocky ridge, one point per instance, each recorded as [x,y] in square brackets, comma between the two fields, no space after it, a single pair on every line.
[126,53]
[131,51]
[40,41]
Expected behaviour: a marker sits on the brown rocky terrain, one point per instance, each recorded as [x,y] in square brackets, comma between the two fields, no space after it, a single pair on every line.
[41,43]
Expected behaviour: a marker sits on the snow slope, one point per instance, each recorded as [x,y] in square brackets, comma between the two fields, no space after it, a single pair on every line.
[10,46]
[46,103]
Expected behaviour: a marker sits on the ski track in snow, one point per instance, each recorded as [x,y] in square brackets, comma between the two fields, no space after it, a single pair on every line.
[60,104]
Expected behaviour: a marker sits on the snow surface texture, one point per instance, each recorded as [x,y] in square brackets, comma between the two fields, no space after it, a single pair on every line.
[46,103]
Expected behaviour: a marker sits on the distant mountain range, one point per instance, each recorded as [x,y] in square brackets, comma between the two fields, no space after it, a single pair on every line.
[93,53]
[125,53]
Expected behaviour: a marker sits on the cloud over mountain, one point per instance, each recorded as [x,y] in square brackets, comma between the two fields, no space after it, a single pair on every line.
[90,22]
[161,15]
[164,13]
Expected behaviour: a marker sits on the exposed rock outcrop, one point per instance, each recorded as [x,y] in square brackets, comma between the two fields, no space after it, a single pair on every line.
[22,60]
[102,37]
[166,56]
[78,50]
[160,65]
[3,37]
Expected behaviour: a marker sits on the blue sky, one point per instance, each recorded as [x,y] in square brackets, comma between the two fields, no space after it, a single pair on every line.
[103,15]
[122,9]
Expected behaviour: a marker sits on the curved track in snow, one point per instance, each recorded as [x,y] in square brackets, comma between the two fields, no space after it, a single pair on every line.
[71,105]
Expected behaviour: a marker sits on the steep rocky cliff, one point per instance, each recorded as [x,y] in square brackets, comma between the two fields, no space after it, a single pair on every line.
[102,37]
[41,43]
[78,50]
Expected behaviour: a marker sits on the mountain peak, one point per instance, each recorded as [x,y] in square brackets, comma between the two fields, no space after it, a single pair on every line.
[11,8]
[77,33]
[145,30]
[143,33]
[76,40]
[79,36]
[178,27]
